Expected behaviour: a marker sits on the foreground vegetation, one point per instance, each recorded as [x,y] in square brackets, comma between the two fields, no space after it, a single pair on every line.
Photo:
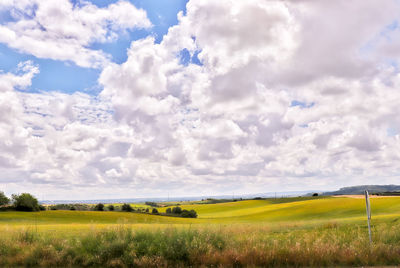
[263,232]
[250,245]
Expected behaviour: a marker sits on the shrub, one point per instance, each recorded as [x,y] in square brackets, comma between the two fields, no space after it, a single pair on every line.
[189,214]
[4,200]
[177,210]
[185,213]
[25,202]
[168,211]
[81,207]
[111,208]
[42,208]
[99,207]
[126,207]
[152,204]
[193,213]
[154,211]
[147,210]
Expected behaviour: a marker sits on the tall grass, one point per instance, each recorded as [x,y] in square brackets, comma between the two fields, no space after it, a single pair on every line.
[331,244]
[121,247]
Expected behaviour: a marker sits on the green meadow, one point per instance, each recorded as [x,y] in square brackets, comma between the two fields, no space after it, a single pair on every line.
[328,231]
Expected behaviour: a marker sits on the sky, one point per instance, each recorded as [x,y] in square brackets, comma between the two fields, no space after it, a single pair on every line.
[146,98]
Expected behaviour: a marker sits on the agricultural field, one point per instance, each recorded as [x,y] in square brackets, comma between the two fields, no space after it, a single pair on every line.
[271,232]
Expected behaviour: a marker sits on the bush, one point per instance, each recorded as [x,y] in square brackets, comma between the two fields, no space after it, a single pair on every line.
[81,207]
[177,210]
[168,211]
[147,210]
[111,208]
[25,202]
[189,214]
[126,207]
[99,207]
[193,213]
[42,208]
[152,204]
[154,211]
[4,200]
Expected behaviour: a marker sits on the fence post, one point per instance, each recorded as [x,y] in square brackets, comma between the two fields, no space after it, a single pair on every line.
[368,207]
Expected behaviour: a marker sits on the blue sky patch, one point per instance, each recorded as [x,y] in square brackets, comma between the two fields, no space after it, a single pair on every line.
[301,104]
[391,132]
[162,14]
[67,77]
[185,58]
[54,75]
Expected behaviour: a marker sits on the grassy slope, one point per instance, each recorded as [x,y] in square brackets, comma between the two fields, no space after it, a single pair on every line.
[84,217]
[320,232]
[249,211]
[318,209]
[72,223]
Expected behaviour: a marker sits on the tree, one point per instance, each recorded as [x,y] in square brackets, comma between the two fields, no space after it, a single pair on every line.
[193,213]
[4,200]
[147,210]
[99,207]
[25,202]
[177,210]
[126,207]
[154,211]
[168,211]
[315,194]
[189,214]
[152,204]
[111,208]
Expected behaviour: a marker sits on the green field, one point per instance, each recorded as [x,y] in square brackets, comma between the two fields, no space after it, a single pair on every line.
[265,212]
[281,232]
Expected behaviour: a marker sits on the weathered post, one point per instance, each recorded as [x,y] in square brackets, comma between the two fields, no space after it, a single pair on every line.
[368,207]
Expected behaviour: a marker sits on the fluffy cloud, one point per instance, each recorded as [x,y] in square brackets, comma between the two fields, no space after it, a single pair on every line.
[253,67]
[13,135]
[288,95]
[60,30]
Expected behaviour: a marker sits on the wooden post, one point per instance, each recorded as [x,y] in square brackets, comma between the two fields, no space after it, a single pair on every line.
[368,207]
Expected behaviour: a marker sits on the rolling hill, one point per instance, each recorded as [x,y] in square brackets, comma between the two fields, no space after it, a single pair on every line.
[265,211]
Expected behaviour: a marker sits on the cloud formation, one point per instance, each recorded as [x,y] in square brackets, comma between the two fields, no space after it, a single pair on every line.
[59,30]
[288,96]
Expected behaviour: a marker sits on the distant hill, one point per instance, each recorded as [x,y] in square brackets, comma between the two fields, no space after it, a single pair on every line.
[187,198]
[373,189]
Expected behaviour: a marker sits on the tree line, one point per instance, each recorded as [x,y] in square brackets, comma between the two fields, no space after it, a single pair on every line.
[27,202]
[175,211]
[20,202]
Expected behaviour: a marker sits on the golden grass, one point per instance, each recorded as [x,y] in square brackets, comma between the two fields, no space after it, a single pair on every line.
[320,232]
[330,244]
[250,211]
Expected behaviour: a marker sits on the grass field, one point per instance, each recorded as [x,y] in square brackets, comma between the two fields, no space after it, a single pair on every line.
[273,232]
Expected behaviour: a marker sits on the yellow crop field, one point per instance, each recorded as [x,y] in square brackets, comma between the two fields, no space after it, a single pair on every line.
[264,211]
[286,232]
[247,211]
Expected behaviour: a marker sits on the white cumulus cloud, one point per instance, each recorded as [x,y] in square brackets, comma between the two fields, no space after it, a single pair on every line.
[59,30]
[289,95]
